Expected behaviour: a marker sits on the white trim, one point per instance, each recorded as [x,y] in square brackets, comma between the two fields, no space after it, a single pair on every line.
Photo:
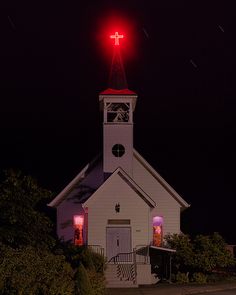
[56,201]
[163,249]
[145,198]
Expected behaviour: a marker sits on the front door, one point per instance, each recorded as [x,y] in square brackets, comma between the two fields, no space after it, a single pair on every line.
[118,241]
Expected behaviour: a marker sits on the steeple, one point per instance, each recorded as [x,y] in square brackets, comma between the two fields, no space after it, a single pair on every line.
[117,83]
[118,104]
[117,78]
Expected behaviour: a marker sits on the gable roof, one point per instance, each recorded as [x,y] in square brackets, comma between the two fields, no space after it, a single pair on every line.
[111,91]
[75,183]
[131,183]
[161,180]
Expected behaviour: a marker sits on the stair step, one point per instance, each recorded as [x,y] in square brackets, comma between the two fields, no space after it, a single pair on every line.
[113,281]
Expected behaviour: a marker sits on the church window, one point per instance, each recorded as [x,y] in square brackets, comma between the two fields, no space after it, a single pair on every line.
[157,231]
[78,223]
[118,150]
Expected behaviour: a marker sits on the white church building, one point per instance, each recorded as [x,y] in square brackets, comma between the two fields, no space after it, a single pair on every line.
[119,205]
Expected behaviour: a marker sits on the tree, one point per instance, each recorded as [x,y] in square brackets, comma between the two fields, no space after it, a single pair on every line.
[203,254]
[34,271]
[20,221]
[82,281]
[183,259]
[211,253]
[89,267]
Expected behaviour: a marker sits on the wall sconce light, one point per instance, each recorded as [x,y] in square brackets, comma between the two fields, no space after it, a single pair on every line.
[117,208]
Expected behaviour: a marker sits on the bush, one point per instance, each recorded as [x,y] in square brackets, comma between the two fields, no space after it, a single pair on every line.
[93,264]
[199,278]
[202,254]
[34,271]
[182,278]
[98,282]
[82,281]
[98,262]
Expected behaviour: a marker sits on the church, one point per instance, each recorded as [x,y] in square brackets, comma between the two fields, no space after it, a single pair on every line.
[119,205]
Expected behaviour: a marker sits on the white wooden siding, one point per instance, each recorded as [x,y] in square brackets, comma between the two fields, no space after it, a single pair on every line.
[167,206]
[101,207]
[118,134]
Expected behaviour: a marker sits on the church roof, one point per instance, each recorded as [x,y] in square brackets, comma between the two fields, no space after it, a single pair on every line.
[92,173]
[73,187]
[117,78]
[161,180]
[117,84]
[131,183]
[110,91]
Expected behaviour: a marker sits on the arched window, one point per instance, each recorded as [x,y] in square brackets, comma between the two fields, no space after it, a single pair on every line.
[78,222]
[157,223]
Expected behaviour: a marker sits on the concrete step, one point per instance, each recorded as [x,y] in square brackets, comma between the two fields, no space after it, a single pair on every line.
[112,281]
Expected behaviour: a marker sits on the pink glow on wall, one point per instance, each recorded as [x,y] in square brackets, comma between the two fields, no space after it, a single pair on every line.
[157,230]
[157,221]
[78,220]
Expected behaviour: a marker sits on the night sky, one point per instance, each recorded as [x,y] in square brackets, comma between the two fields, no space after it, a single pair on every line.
[178,56]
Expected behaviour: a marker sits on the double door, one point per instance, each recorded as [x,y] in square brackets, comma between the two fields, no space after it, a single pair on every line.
[118,241]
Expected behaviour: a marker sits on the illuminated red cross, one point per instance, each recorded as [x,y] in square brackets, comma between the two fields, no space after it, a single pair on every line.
[116,37]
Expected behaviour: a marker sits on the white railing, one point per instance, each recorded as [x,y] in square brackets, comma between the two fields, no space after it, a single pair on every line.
[126,268]
[97,249]
[142,254]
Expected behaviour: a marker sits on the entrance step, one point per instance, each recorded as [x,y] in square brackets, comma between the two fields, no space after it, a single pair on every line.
[114,278]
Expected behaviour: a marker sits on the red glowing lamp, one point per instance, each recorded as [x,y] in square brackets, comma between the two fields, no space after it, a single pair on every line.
[116,36]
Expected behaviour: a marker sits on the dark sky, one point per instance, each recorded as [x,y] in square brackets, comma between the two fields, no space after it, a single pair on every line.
[179,61]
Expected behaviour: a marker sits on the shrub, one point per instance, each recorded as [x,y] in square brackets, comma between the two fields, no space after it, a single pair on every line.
[86,257]
[98,262]
[182,278]
[202,254]
[29,271]
[98,282]
[199,278]
[82,281]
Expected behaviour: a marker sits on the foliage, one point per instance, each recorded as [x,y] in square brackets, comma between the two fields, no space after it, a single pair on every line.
[211,253]
[98,262]
[91,261]
[203,254]
[199,278]
[183,258]
[75,255]
[97,280]
[30,260]
[182,278]
[20,221]
[34,271]
[82,281]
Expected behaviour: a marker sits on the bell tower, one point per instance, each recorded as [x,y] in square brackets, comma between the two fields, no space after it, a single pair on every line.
[118,104]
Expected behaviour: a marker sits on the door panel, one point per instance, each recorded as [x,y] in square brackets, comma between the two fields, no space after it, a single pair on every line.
[118,241]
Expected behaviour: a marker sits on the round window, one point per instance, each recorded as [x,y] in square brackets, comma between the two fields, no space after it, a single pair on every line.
[118,150]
